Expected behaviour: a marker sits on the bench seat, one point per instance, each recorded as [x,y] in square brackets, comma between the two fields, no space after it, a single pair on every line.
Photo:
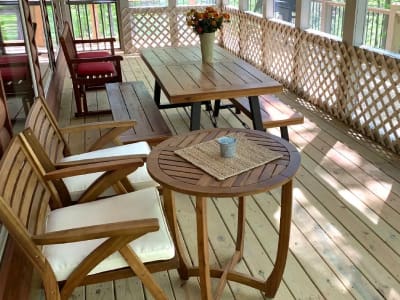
[132,101]
[274,112]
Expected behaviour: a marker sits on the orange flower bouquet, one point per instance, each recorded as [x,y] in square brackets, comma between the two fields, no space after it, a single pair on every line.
[207,21]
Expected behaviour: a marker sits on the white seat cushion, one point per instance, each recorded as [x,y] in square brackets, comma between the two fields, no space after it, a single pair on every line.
[154,246]
[139,179]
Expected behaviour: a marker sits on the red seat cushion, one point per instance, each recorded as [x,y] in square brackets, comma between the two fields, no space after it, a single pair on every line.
[11,73]
[95,68]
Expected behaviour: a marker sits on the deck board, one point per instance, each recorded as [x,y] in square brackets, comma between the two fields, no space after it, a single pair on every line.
[345,237]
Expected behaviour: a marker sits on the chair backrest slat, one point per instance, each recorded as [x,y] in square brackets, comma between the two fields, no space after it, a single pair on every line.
[68,46]
[24,201]
[22,187]
[45,127]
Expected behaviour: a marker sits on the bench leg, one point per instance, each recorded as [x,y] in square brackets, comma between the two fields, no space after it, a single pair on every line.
[195,116]
[208,105]
[217,105]
[157,94]
[256,113]
[284,133]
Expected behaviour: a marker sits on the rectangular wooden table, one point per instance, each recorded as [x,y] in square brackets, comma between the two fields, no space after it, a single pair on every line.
[186,80]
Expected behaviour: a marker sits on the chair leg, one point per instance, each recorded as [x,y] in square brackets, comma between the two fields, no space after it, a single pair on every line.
[78,102]
[142,273]
[51,289]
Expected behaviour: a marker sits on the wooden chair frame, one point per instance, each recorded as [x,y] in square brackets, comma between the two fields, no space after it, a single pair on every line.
[23,212]
[48,136]
[80,83]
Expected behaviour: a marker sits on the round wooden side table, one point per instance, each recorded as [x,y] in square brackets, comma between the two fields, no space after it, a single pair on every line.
[176,174]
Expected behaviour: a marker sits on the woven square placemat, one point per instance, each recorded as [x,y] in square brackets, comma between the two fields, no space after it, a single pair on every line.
[207,157]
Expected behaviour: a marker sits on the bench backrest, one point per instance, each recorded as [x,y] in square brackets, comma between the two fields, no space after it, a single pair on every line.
[45,127]
[68,46]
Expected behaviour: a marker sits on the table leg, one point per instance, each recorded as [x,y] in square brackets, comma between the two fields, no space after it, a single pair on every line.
[241,226]
[170,212]
[195,116]
[202,244]
[157,93]
[256,113]
[274,279]
[237,256]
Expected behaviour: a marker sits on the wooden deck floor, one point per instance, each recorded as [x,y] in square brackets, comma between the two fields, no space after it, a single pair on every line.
[345,240]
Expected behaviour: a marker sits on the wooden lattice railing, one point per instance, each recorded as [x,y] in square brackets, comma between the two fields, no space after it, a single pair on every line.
[357,86]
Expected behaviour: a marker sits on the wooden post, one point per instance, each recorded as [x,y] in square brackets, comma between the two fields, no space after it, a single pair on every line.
[354,22]
[303,14]
[393,39]
[268,9]
[173,23]
[243,5]
[326,15]
[121,5]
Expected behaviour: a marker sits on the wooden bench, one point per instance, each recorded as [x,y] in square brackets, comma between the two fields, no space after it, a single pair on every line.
[274,113]
[132,101]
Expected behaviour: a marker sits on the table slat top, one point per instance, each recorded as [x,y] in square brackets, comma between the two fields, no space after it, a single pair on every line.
[184,78]
[176,173]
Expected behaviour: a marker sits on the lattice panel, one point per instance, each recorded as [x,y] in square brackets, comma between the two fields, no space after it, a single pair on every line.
[318,74]
[372,98]
[357,86]
[280,50]
[186,35]
[230,32]
[252,40]
[150,28]
[156,27]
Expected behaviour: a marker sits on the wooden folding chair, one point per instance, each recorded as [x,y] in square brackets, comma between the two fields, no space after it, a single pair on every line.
[98,241]
[51,137]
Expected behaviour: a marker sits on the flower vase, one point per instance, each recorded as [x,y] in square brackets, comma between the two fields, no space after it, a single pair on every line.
[207,46]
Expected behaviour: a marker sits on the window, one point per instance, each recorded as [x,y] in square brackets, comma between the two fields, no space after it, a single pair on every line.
[285,10]
[327,16]
[147,3]
[195,2]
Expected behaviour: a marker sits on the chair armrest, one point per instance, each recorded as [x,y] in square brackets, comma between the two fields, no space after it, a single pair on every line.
[109,40]
[95,167]
[66,164]
[135,227]
[99,125]
[116,128]
[12,44]
[116,58]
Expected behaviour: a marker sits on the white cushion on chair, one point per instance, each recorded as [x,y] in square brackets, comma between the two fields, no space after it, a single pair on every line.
[139,179]
[154,246]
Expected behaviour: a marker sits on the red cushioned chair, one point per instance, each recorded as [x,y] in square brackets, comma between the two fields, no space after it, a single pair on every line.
[16,76]
[89,70]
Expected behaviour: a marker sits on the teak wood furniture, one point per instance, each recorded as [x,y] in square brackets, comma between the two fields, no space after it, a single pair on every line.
[132,101]
[274,113]
[178,175]
[81,244]
[53,151]
[184,79]
[91,69]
